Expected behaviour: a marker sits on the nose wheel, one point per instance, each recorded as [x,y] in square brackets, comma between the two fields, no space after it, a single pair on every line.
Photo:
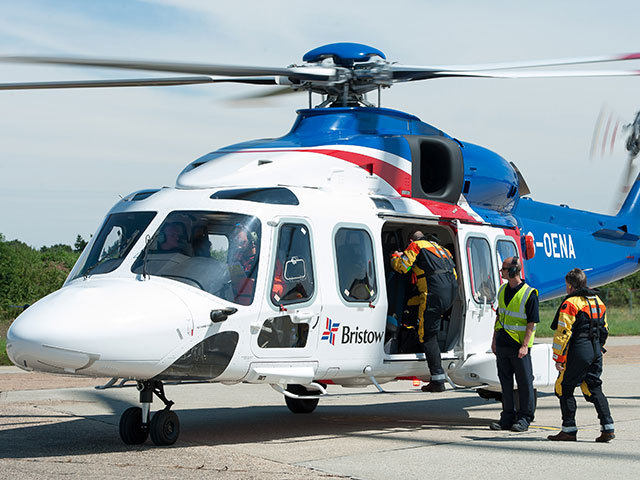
[132,431]
[164,426]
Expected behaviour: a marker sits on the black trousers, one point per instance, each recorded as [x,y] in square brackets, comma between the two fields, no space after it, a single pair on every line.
[583,367]
[432,352]
[429,316]
[509,365]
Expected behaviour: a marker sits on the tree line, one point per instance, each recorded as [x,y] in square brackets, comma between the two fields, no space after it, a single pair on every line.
[28,274]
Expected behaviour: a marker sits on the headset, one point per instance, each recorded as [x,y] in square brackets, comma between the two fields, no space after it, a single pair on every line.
[514,268]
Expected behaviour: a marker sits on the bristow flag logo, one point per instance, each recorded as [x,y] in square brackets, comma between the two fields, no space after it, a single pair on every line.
[350,335]
[330,331]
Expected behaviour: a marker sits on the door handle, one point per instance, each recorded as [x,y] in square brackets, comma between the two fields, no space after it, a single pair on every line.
[302,316]
[255,327]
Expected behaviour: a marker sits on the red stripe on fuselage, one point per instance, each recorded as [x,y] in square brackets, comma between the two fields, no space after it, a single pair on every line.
[399,180]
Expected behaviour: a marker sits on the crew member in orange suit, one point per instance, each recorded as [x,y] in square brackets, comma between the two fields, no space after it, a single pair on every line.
[434,274]
[578,344]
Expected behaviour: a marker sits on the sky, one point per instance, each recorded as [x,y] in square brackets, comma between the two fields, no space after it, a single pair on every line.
[67,156]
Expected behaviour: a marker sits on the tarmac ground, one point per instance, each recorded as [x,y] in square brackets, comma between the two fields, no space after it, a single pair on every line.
[53,427]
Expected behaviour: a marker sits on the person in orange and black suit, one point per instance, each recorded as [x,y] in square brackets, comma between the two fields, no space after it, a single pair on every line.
[434,274]
[578,344]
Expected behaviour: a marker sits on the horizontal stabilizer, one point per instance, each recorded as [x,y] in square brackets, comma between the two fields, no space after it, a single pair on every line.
[616,235]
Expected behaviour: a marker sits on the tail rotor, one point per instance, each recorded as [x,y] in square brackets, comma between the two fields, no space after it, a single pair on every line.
[608,132]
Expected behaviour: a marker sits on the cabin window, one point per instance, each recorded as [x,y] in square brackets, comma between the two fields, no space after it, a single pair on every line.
[281,332]
[356,269]
[504,249]
[483,288]
[293,280]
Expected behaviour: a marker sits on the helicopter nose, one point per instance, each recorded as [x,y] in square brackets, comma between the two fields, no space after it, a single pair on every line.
[98,326]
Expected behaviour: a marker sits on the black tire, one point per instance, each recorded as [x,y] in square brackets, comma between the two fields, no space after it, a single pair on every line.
[131,431]
[489,394]
[297,405]
[164,428]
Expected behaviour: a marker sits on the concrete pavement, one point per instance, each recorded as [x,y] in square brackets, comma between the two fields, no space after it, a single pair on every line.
[245,431]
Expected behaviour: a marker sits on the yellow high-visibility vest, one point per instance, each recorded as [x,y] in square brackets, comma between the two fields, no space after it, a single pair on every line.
[513,317]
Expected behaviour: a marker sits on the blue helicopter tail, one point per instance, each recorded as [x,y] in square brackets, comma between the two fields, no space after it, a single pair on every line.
[629,213]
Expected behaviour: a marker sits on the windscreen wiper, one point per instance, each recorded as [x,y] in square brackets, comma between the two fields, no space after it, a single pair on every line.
[148,241]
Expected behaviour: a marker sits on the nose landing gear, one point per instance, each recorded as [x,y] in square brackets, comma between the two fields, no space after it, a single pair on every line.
[164,426]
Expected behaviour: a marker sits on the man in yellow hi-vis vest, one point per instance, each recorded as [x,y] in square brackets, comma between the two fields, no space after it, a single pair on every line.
[434,274]
[512,339]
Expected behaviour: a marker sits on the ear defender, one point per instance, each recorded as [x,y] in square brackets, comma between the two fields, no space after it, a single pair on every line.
[514,269]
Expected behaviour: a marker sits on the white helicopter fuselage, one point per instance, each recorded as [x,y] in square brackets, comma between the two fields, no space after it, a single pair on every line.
[134,322]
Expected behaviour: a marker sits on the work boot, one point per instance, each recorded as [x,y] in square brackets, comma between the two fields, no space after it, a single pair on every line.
[499,426]
[520,426]
[605,437]
[434,387]
[563,437]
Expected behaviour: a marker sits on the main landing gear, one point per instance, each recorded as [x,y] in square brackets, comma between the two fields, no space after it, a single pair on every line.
[300,405]
[164,426]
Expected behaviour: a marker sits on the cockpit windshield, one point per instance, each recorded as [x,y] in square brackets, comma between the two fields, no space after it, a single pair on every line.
[114,242]
[214,251]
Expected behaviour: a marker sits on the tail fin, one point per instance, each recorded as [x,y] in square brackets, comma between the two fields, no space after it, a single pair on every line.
[629,213]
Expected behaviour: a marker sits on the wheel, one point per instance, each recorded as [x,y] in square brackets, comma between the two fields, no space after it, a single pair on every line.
[131,431]
[297,405]
[164,428]
[489,394]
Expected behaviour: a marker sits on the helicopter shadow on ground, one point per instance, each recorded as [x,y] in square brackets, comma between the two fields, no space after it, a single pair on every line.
[53,434]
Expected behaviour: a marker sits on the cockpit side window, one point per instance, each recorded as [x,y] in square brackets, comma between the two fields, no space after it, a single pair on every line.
[217,252]
[356,268]
[293,280]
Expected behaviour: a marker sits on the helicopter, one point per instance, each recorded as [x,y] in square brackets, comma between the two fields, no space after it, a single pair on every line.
[269,261]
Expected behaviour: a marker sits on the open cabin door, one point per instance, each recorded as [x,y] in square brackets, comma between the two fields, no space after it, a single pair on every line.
[479,270]
[483,249]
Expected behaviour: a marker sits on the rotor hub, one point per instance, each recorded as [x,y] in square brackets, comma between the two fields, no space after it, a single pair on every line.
[344,54]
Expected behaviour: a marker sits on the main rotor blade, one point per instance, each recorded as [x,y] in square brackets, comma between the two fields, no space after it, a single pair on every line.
[263,94]
[260,99]
[134,82]
[525,64]
[408,76]
[301,73]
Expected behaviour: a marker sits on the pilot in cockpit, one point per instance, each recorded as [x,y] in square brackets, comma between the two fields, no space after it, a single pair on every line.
[173,238]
